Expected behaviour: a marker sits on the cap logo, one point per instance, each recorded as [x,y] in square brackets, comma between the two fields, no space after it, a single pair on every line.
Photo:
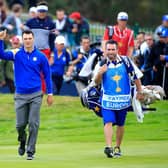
[34,58]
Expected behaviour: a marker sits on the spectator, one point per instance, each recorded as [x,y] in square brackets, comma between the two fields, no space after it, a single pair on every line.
[79,58]
[3,11]
[163,25]
[61,60]
[6,46]
[141,38]
[14,2]
[145,64]
[159,48]
[42,27]
[13,22]
[62,25]
[79,27]
[8,65]
[121,34]
[33,12]
[164,61]
[136,52]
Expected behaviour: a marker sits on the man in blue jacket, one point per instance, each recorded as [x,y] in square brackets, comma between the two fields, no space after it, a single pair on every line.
[43,28]
[28,64]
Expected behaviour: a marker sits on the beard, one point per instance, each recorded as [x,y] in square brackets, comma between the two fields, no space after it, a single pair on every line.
[112,56]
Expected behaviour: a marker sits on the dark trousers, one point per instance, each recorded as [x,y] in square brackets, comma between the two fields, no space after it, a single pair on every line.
[147,78]
[158,79]
[57,83]
[166,83]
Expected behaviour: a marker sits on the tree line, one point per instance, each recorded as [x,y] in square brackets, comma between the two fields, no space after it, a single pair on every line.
[144,12]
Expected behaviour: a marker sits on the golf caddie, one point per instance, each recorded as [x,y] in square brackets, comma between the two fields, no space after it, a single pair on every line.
[115,82]
[29,62]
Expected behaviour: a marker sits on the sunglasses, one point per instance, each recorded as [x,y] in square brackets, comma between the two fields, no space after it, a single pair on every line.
[149,39]
[111,49]
[124,20]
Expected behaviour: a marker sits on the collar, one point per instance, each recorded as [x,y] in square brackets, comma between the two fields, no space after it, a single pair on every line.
[82,50]
[28,51]
[115,62]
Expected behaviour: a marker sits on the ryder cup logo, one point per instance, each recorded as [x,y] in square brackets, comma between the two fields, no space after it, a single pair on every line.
[34,58]
[64,59]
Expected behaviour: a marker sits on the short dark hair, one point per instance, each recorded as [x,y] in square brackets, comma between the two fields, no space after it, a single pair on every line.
[85,37]
[27,32]
[141,32]
[60,10]
[111,42]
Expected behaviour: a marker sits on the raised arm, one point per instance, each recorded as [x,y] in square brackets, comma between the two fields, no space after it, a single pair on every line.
[8,55]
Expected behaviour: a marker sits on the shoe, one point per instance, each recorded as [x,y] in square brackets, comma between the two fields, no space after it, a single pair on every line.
[21,149]
[109,152]
[117,151]
[30,156]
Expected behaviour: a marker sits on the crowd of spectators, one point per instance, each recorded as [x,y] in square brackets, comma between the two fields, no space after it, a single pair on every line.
[65,42]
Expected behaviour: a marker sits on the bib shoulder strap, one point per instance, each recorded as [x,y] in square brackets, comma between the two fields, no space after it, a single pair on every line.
[110,31]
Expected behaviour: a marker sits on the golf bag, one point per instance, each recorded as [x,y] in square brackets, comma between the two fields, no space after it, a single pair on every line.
[91,95]
[91,99]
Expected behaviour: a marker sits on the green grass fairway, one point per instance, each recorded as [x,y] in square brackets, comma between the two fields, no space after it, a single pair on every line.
[146,154]
[72,136]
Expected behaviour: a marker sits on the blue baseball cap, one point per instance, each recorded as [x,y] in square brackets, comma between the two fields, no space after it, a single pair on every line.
[165,17]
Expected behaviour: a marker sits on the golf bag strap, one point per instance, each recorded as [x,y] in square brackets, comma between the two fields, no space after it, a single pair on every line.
[129,67]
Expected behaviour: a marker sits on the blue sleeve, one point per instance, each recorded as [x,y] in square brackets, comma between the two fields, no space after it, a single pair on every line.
[8,55]
[8,21]
[29,23]
[166,58]
[74,54]
[142,67]
[47,74]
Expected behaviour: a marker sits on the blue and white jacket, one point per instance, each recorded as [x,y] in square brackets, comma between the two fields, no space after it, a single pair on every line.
[27,69]
[42,29]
